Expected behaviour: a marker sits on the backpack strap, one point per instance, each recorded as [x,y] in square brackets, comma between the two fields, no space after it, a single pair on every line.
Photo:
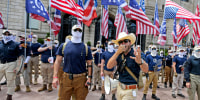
[63,48]
[86,49]
[64,45]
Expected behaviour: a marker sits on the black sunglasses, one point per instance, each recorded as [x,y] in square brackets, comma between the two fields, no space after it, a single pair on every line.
[153,48]
[125,41]
[77,30]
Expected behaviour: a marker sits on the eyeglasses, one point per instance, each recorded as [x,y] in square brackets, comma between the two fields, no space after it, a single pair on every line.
[77,30]
[125,41]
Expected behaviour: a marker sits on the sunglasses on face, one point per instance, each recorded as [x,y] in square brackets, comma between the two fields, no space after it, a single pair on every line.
[75,30]
[125,41]
[153,48]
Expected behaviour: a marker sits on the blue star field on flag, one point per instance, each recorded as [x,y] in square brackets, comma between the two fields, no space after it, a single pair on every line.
[36,7]
[170,12]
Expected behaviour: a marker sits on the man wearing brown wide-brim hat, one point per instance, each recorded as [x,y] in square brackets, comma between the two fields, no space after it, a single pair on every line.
[131,58]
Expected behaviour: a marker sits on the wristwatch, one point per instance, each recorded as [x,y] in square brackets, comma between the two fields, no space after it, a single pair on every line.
[142,61]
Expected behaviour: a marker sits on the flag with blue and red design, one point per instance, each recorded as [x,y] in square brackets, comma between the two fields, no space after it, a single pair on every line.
[104,22]
[57,21]
[142,5]
[182,29]
[181,13]
[196,28]
[120,3]
[120,22]
[143,24]
[89,11]
[1,21]
[37,8]
[68,6]
[162,36]
[156,19]
[174,34]
[80,3]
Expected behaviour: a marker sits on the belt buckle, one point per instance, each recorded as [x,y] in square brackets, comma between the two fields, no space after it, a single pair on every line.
[123,86]
[70,76]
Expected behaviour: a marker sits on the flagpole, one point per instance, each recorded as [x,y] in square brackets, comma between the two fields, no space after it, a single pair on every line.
[30,30]
[140,41]
[7,13]
[100,26]
[25,33]
[50,26]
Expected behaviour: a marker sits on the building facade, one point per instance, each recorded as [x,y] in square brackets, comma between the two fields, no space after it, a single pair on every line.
[18,20]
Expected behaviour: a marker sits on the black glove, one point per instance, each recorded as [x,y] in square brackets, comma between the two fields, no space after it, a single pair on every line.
[147,75]
[25,66]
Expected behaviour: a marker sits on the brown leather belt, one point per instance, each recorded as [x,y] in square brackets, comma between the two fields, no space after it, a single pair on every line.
[75,75]
[125,87]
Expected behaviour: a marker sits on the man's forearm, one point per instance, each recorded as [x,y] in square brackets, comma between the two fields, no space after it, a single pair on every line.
[112,61]
[89,71]
[56,68]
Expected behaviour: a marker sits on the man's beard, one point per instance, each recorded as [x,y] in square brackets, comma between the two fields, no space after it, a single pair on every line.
[127,48]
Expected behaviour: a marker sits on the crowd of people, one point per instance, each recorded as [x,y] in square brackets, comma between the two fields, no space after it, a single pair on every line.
[74,66]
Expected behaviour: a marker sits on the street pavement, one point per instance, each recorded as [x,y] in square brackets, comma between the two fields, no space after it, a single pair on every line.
[162,93]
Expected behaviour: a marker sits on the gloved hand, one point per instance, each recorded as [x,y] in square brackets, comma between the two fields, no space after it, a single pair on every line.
[25,66]
[147,75]
[23,45]
[175,74]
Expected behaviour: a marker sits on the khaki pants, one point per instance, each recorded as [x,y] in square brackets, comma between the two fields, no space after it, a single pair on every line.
[8,69]
[110,74]
[25,74]
[153,76]
[126,94]
[34,64]
[168,72]
[177,83]
[75,86]
[96,75]
[195,87]
[47,73]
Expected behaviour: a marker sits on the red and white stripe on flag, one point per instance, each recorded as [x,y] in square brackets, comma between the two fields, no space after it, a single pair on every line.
[182,13]
[120,23]
[57,21]
[37,17]
[193,38]
[104,24]
[196,27]
[68,6]
[162,39]
[174,39]
[1,21]
[143,24]
[182,31]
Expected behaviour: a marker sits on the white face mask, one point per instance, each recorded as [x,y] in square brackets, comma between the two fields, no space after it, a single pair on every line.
[6,39]
[76,37]
[49,43]
[181,54]
[110,48]
[197,54]
[153,52]
[170,54]
[161,54]
[34,40]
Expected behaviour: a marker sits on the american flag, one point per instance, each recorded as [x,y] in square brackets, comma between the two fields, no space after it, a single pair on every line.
[120,3]
[80,3]
[57,21]
[37,17]
[196,27]
[68,6]
[104,24]
[182,29]
[156,19]
[1,21]
[89,11]
[162,36]
[142,5]
[120,22]
[174,34]
[182,13]
[143,24]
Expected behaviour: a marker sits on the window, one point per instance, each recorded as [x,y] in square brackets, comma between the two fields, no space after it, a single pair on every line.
[185,0]
[32,23]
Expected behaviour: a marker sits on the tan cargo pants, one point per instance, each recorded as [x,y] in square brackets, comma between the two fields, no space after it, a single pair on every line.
[194,87]
[34,64]
[126,94]
[96,75]
[69,87]
[47,73]
[110,74]
[8,69]
[153,76]
[168,72]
